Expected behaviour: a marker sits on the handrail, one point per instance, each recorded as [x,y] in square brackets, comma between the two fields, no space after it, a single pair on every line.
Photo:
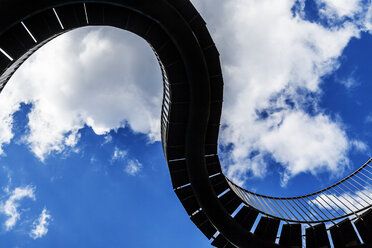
[317,192]
[347,197]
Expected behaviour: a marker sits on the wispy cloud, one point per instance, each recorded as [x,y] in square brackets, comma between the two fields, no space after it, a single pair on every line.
[10,207]
[347,202]
[40,225]
[350,82]
[359,145]
[108,139]
[133,167]
[369,119]
[119,154]
[92,160]
[339,8]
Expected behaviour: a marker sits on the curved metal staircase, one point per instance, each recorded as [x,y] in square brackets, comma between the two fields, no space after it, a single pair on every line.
[190,119]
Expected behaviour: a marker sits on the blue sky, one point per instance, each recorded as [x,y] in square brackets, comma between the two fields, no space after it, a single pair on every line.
[81,163]
[92,200]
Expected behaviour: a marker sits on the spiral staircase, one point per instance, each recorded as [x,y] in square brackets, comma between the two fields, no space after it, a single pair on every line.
[339,215]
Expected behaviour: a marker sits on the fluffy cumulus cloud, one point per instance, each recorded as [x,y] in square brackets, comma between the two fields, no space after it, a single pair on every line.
[103,78]
[273,60]
[304,137]
[40,225]
[10,206]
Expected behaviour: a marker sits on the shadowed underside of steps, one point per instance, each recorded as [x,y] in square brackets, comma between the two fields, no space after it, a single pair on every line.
[190,117]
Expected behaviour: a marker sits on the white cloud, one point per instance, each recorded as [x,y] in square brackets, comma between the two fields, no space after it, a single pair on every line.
[303,143]
[344,203]
[72,139]
[350,82]
[108,139]
[368,19]
[340,8]
[10,207]
[119,154]
[133,167]
[40,225]
[6,121]
[359,145]
[104,78]
[271,61]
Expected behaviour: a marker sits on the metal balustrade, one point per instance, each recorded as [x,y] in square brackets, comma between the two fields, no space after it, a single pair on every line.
[346,198]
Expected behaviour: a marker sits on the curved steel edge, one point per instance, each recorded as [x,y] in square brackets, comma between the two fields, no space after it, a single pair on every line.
[187,44]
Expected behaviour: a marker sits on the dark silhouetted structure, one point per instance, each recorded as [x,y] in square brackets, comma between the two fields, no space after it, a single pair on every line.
[190,119]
